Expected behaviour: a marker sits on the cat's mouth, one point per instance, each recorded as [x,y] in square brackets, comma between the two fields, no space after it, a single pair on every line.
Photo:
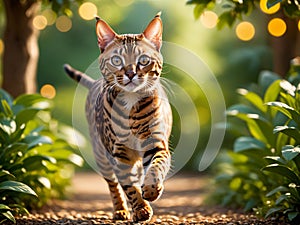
[135,85]
[131,86]
[130,83]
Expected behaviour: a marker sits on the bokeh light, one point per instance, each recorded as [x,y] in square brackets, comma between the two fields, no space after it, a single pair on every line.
[50,15]
[39,22]
[63,23]
[48,91]
[299,25]
[276,27]
[245,31]
[209,19]
[87,11]
[1,47]
[273,9]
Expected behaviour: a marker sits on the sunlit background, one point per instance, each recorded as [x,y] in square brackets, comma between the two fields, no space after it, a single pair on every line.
[236,56]
[209,19]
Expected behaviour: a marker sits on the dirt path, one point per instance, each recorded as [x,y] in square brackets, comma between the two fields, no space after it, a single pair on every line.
[181,203]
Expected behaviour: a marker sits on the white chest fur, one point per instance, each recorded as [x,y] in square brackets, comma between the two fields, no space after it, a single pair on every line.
[130,99]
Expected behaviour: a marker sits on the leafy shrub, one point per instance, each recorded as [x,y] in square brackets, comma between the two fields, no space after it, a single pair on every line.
[234,10]
[262,172]
[36,158]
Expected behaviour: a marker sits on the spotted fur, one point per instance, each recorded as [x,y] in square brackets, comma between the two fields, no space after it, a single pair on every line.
[129,118]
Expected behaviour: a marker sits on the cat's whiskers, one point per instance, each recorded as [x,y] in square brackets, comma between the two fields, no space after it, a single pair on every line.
[166,85]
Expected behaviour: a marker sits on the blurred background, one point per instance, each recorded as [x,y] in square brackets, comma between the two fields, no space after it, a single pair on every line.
[235,56]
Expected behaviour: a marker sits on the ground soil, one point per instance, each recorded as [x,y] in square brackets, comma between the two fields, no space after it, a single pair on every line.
[181,203]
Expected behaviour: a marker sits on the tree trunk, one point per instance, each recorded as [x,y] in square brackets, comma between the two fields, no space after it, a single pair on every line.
[21,50]
[286,47]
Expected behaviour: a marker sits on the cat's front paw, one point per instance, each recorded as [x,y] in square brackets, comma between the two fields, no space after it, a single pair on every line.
[121,215]
[142,214]
[152,192]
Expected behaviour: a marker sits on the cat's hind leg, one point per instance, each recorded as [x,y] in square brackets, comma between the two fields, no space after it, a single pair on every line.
[121,211]
[141,208]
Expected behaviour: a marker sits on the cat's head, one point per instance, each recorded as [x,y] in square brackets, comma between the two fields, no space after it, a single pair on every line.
[131,62]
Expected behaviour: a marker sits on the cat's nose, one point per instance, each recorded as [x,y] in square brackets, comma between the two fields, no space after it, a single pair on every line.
[130,71]
[130,74]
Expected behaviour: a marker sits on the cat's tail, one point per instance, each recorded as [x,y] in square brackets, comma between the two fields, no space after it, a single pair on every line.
[79,76]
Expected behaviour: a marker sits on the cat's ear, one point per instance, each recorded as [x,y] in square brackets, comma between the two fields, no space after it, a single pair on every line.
[153,32]
[105,33]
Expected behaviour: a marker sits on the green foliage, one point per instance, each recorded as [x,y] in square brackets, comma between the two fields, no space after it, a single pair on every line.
[63,6]
[235,9]
[262,172]
[36,159]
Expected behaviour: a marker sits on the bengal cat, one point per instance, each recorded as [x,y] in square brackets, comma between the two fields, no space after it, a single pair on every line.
[129,117]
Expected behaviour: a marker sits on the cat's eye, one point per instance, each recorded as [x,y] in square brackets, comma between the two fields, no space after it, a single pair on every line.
[144,60]
[116,60]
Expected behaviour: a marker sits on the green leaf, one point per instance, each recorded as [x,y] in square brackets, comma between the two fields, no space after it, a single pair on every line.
[16,136]
[288,87]
[2,206]
[286,110]
[227,6]
[6,109]
[30,100]
[4,173]
[5,96]
[8,126]
[76,160]
[9,216]
[12,151]
[36,140]
[246,143]
[25,115]
[291,10]
[21,210]
[272,92]
[36,162]
[189,2]
[297,97]
[283,171]
[253,98]
[276,190]
[4,136]
[289,152]
[266,78]
[241,108]
[273,210]
[198,10]
[235,183]
[281,198]
[16,186]
[293,215]
[288,99]
[290,131]
[271,3]
[68,12]
[250,204]
[45,182]
[275,159]
[259,127]
[226,18]
[65,155]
